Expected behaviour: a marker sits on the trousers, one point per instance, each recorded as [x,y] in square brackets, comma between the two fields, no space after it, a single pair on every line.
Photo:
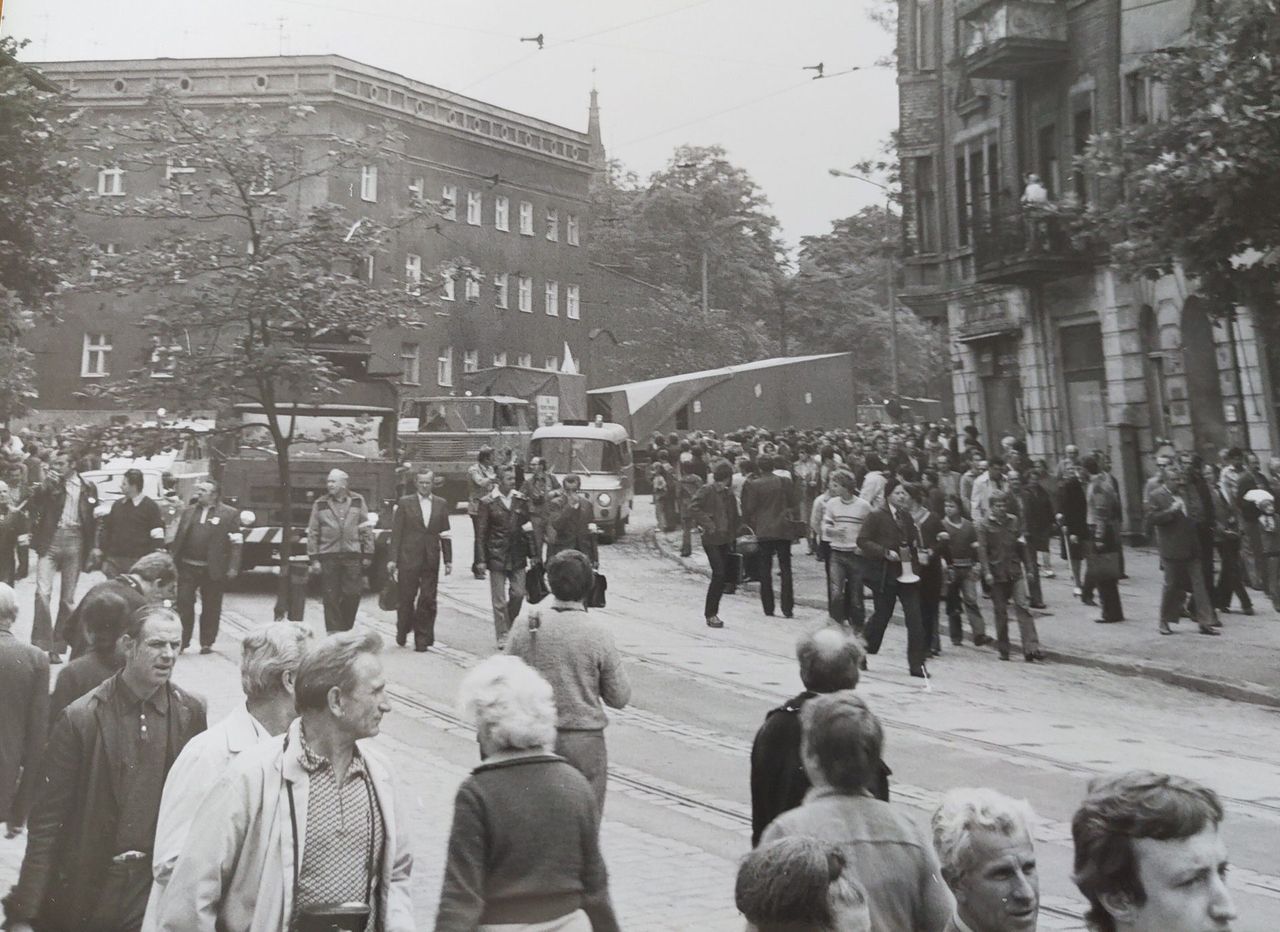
[844,589]
[63,556]
[962,593]
[718,560]
[416,610]
[585,749]
[194,579]
[1182,576]
[764,561]
[1004,591]
[342,584]
[506,593]
[1231,577]
[886,592]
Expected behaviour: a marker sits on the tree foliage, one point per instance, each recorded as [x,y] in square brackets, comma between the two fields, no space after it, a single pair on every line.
[839,300]
[700,203]
[1201,188]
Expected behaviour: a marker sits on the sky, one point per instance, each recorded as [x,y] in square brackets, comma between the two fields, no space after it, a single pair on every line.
[669,72]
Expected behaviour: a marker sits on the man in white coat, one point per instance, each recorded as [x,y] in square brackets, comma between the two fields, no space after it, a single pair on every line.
[268,665]
[303,822]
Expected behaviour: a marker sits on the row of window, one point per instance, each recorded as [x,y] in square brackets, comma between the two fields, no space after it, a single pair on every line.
[411,363]
[475,208]
[501,283]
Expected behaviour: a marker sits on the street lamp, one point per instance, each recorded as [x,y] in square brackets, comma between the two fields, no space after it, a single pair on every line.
[888,270]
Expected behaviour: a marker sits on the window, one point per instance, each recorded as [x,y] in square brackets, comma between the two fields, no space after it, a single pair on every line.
[526,218]
[525,361]
[1047,159]
[93,361]
[177,168]
[475,203]
[111,182]
[163,359]
[502,213]
[926,204]
[369,183]
[553,299]
[977,180]
[524,296]
[412,273]
[449,285]
[470,360]
[1081,130]
[551,364]
[417,190]
[260,185]
[444,367]
[410,365]
[571,229]
[499,360]
[1145,99]
[500,290]
[553,225]
[572,308]
[95,264]
[926,31]
[471,288]
[449,197]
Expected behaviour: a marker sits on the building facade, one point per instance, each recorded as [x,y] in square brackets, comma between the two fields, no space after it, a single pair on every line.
[508,256]
[1049,343]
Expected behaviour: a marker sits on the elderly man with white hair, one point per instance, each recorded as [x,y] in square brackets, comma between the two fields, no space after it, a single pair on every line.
[983,840]
[305,822]
[524,849]
[340,546]
[268,665]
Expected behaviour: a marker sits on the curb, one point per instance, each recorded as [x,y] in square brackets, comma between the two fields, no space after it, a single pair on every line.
[1209,686]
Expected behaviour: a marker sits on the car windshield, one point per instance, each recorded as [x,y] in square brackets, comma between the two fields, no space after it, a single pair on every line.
[565,455]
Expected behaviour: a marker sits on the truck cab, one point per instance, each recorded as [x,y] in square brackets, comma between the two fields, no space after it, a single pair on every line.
[600,455]
[446,432]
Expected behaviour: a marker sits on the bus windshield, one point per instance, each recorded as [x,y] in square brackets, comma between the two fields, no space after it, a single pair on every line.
[566,455]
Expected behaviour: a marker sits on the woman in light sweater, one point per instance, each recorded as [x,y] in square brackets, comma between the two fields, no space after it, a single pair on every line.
[524,848]
[576,654]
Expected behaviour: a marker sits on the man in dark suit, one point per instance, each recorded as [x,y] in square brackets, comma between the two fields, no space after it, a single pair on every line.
[1173,508]
[24,696]
[769,501]
[419,536]
[88,860]
[64,532]
[134,526]
[206,549]
[886,541]
[13,538]
[506,542]
[572,522]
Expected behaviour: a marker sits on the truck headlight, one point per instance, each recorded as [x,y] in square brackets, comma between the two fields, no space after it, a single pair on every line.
[605,499]
[247,517]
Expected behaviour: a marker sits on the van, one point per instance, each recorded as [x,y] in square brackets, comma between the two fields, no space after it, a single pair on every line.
[600,455]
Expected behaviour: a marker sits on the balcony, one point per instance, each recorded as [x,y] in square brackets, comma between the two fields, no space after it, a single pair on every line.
[1015,246]
[1012,39]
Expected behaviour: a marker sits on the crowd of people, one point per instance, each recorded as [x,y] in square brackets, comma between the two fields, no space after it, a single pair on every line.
[929,520]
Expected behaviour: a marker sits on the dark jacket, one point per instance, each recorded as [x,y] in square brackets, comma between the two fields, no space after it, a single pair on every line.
[1175,531]
[715,511]
[778,780]
[1037,516]
[998,547]
[505,543]
[13,524]
[125,586]
[768,503]
[570,524]
[72,830]
[45,508]
[414,544]
[224,553]
[24,699]
[880,533]
[126,530]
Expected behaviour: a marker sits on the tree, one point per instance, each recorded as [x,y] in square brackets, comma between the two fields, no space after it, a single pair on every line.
[839,300]
[257,284]
[1200,188]
[37,239]
[699,211]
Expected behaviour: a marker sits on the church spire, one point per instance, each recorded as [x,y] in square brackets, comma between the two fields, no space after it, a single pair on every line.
[598,158]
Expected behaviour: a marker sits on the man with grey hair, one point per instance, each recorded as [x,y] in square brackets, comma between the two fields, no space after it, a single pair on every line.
[842,743]
[829,661]
[340,546]
[983,840]
[24,696]
[316,794]
[269,662]
[206,548]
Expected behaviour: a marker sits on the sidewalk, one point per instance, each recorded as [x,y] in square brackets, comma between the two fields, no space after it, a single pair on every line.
[1242,665]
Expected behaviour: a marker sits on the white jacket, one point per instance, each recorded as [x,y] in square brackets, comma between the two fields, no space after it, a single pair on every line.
[235,873]
[202,762]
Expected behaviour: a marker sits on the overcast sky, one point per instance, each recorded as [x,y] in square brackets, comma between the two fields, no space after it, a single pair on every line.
[669,72]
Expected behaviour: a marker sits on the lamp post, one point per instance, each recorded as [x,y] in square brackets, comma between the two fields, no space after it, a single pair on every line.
[890,284]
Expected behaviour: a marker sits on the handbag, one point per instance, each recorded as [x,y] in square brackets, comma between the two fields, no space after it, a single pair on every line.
[599,586]
[389,594]
[1103,567]
[746,544]
[535,584]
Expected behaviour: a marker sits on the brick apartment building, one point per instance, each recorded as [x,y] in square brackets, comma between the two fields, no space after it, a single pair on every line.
[1048,344]
[516,188]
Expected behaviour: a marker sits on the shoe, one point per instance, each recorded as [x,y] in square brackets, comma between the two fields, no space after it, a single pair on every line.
[982,640]
[1038,605]
[206,650]
[1004,655]
[1210,630]
[1164,628]
[401,642]
[1049,574]
[956,643]
[714,622]
[421,648]
[921,673]
[936,652]
[1107,621]
[55,657]
[1084,601]
[788,614]
[768,614]
[1033,657]
[1246,611]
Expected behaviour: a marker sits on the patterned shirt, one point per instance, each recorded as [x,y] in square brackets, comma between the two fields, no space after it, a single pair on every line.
[344,840]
